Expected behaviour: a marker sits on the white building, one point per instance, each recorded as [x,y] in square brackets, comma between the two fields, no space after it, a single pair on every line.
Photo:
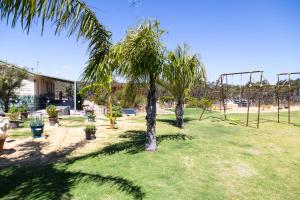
[38,90]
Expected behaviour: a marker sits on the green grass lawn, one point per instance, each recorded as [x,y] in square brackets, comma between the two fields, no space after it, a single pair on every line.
[208,159]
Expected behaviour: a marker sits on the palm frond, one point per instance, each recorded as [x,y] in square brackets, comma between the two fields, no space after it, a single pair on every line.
[71,15]
[181,71]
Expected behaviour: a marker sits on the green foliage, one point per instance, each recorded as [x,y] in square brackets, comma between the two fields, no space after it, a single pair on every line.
[132,95]
[142,52]
[36,121]
[180,72]
[90,128]
[13,113]
[166,99]
[192,102]
[52,111]
[117,111]
[23,109]
[10,79]
[13,110]
[205,103]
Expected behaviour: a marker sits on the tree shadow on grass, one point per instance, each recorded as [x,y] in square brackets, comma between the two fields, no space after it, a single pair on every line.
[50,182]
[173,122]
[133,142]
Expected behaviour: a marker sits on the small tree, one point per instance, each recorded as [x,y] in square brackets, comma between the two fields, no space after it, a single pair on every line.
[10,80]
[143,55]
[179,74]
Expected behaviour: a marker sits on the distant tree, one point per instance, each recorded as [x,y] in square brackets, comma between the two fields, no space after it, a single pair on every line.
[179,75]
[10,80]
[143,54]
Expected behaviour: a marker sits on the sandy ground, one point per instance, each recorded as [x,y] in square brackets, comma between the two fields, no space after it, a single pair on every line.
[61,142]
[252,109]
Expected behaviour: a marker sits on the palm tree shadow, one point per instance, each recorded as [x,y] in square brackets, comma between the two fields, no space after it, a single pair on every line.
[173,122]
[135,142]
[49,182]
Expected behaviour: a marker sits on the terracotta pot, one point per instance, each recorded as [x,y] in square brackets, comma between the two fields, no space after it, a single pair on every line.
[53,121]
[2,140]
[14,123]
[24,115]
[90,135]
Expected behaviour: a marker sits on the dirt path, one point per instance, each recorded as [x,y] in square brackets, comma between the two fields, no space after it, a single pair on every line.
[61,142]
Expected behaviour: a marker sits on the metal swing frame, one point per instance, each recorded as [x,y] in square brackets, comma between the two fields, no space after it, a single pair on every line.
[284,85]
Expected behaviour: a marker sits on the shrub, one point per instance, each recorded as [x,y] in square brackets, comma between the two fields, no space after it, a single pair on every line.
[166,99]
[205,103]
[23,109]
[117,111]
[13,113]
[90,128]
[36,121]
[192,102]
[51,111]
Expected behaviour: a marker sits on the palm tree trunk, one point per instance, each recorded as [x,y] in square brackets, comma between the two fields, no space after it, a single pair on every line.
[179,113]
[151,117]
[111,122]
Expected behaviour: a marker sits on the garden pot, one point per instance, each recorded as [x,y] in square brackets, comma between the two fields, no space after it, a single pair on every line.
[90,135]
[37,131]
[14,124]
[53,121]
[24,115]
[2,140]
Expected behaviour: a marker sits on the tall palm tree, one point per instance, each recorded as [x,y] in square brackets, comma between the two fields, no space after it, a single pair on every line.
[143,53]
[76,17]
[179,74]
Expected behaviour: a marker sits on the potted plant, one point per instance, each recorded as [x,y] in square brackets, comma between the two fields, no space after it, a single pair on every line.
[91,117]
[3,128]
[24,112]
[13,114]
[37,126]
[2,140]
[89,112]
[90,131]
[52,114]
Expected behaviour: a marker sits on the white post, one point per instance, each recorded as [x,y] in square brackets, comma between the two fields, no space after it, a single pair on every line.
[75,92]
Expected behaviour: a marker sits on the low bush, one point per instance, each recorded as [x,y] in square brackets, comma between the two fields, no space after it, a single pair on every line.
[36,121]
[52,111]
[90,128]
[13,113]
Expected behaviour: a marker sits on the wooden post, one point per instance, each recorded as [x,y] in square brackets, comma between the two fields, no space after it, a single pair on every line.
[259,100]
[223,98]
[75,96]
[278,101]
[289,100]
[248,100]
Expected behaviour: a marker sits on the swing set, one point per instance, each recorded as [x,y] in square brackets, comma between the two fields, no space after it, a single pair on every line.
[224,87]
[280,86]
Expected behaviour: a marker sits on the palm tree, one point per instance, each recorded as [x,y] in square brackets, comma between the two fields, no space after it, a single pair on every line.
[76,17]
[179,74]
[143,55]
[100,74]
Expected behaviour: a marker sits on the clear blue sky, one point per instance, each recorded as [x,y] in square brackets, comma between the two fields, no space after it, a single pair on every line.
[230,35]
